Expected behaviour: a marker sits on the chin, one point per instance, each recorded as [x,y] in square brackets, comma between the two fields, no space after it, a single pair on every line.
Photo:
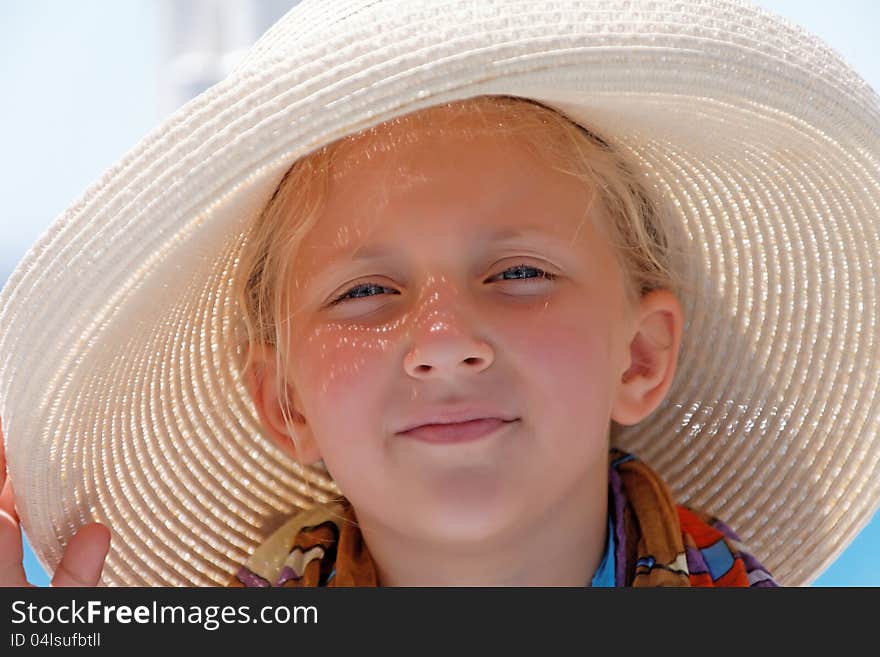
[467,521]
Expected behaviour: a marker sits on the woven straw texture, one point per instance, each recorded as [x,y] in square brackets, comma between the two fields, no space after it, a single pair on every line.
[119,389]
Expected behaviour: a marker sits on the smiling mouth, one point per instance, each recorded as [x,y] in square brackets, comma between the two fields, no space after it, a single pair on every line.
[457,432]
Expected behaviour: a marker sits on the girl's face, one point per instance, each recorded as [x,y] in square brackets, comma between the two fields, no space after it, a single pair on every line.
[437,250]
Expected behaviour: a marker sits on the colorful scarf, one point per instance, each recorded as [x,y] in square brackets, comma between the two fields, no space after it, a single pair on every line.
[656,542]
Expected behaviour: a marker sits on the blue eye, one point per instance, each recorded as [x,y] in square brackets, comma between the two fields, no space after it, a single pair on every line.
[359,291]
[526,268]
[364,289]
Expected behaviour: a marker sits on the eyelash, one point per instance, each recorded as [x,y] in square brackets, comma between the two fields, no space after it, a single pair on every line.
[344,296]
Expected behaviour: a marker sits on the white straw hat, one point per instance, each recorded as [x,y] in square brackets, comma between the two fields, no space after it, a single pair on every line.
[119,393]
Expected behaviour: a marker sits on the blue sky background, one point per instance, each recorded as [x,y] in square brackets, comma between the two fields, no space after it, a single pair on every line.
[82,84]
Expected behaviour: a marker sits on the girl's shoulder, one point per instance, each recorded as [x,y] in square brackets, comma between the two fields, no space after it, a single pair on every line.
[715,554]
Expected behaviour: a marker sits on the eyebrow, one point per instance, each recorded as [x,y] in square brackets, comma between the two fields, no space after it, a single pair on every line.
[378,251]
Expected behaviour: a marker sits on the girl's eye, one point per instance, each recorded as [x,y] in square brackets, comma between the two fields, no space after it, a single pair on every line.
[520,272]
[361,290]
[519,269]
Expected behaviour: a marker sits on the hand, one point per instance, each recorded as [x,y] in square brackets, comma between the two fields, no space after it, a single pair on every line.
[82,561]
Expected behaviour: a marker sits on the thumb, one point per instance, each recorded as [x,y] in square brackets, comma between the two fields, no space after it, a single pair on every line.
[83,559]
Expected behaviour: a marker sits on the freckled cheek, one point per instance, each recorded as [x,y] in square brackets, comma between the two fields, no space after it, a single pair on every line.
[346,402]
[342,365]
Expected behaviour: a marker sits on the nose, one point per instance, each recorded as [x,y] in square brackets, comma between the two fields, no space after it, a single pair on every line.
[444,346]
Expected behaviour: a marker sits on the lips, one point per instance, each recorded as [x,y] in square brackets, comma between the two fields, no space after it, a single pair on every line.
[455,415]
[457,432]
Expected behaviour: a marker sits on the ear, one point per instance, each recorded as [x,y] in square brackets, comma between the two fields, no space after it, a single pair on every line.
[261,381]
[653,354]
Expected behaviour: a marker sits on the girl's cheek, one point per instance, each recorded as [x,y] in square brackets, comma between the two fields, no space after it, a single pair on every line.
[341,361]
[568,354]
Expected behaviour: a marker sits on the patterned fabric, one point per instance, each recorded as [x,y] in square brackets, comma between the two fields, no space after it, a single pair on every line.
[661,543]
[651,542]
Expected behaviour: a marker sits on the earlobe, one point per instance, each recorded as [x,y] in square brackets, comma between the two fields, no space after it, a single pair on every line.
[653,356]
[260,379]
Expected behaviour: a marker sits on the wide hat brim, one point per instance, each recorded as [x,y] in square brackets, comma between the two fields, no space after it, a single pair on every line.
[119,392]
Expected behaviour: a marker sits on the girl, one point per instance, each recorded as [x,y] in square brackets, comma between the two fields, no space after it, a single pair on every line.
[464,293]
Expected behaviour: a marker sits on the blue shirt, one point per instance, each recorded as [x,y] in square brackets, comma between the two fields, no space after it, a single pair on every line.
[605,572]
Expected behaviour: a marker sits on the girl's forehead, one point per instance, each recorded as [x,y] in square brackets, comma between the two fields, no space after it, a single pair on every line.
[459,125]
[476,184]
[394,160]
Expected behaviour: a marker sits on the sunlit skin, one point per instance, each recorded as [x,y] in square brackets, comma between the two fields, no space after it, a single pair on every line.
[526,505]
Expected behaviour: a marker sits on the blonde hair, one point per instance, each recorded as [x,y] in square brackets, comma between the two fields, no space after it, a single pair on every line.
[637,225]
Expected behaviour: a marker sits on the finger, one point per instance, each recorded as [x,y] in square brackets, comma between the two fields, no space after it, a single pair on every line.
[7,501]
[83,560]
[7,496]
[2,457]
[11,551]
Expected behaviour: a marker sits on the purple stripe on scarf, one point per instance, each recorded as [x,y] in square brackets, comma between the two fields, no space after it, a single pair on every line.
[618,499]
[696,563]
[749,561]
[752,565]
[249,578]
[286,573]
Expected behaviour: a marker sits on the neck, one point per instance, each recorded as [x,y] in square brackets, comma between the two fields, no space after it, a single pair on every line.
[562,548]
